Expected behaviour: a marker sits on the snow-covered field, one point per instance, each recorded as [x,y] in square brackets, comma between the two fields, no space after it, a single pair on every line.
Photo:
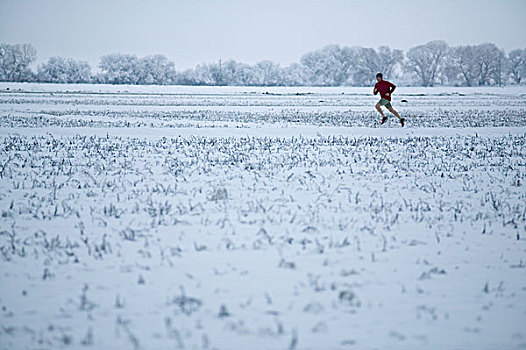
[261,218]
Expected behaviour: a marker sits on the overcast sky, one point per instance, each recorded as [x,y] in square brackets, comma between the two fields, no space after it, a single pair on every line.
[195,31]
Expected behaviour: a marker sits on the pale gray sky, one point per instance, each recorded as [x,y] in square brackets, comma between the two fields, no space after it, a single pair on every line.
[195,31]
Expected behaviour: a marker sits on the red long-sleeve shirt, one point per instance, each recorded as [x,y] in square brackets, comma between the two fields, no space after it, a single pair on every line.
[384,87]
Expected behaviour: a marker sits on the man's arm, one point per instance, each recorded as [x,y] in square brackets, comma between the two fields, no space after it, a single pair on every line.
[375,90]
[393,87]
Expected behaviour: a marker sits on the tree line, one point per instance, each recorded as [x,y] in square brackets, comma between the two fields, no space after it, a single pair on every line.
[433,63]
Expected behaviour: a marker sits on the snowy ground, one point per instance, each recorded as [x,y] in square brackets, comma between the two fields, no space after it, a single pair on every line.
[261,218]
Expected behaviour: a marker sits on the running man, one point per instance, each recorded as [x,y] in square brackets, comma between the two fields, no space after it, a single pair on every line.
[386,89]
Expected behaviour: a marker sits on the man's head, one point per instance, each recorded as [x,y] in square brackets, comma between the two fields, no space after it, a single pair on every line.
[379,77]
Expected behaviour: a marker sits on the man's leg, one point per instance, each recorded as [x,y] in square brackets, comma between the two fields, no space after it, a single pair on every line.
[391,109]
[379,109]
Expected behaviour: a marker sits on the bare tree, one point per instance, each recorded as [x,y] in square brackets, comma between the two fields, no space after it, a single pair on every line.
[425,61]
[517,65]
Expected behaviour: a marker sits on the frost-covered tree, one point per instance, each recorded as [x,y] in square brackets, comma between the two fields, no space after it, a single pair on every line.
[155,69]
[425,61]
[501,66]
[489,63]
[202,74]
[129,69]
[294,75]
[234,73]
[366,65]
[332,65]
[517,65]
[368,62]
[119,68]
[267,73]
[462,64]
[389,60]
[245,74]
[483,64]
[61,70]
[206,74]
[329,66]
[187,77]
[15,61]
